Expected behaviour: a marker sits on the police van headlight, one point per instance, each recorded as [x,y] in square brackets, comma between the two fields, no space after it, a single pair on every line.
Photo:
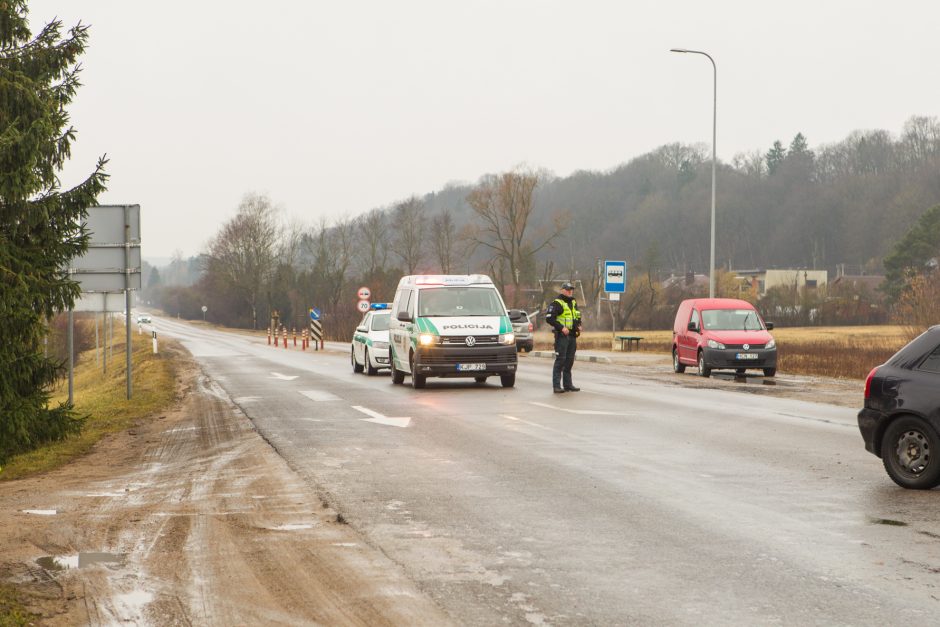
[428,339]
[507,338]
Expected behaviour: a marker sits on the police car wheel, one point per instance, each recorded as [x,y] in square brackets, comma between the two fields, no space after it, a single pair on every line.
[357,367]
[369,369]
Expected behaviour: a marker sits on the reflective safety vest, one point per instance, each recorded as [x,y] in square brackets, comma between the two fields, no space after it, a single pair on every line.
[569,314]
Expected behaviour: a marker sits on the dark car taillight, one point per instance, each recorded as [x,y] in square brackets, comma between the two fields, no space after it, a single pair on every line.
[868,382]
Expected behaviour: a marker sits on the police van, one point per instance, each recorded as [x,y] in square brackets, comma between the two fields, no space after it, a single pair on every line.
[451,326]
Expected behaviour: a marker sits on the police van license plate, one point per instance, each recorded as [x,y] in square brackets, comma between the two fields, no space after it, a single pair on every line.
[746,356]
[469,367]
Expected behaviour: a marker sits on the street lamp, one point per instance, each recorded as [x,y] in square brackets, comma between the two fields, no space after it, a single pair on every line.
[711,272]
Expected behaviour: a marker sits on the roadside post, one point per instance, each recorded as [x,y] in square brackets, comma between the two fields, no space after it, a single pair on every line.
[316,329]
[154,341]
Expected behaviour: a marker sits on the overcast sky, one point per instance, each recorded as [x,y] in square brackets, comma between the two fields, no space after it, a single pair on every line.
[334,108]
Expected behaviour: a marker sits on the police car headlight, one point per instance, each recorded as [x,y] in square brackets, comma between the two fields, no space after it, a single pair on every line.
[380,345]
[771,344]
[507,338]
[426,339]
[714,344]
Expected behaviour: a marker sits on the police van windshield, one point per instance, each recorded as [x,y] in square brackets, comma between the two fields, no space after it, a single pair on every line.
[380,322]
[731,320]
[459,301]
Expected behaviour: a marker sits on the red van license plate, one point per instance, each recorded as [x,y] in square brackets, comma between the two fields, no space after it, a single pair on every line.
[746,356]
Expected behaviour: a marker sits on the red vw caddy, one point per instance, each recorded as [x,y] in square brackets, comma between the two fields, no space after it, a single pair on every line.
[722,333]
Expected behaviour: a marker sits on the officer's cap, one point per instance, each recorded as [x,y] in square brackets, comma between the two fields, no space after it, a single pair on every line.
[567,286]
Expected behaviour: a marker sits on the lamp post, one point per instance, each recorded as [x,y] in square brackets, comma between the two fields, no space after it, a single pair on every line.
[711,271]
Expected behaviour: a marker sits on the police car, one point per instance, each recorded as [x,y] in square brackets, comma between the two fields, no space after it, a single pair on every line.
[369,350]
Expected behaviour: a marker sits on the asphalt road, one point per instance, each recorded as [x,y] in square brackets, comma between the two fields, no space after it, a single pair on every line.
[632,501]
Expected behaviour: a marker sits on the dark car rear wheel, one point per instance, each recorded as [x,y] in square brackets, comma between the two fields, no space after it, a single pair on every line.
[677,366]
[703,370]
[910,451]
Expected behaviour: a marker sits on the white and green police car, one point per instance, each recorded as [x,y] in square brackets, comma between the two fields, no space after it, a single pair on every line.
[451,326]
[370,342]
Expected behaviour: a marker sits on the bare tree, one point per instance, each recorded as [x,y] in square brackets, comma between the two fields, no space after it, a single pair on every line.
[242,256]
[444,236]
[374,241]
[504,205]
[409,227]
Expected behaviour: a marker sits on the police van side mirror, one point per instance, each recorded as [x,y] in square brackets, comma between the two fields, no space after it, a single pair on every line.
[404,316]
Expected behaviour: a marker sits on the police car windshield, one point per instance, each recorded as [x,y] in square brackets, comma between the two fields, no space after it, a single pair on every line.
[731,320]
[380,322]
[459,301]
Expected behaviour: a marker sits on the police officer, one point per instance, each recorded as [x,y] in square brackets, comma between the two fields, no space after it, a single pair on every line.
[565,319]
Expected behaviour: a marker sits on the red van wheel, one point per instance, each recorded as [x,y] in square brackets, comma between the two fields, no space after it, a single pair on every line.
[703,370]
[677,366]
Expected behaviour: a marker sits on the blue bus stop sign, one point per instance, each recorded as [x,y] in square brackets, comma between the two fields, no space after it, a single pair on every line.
[615,276]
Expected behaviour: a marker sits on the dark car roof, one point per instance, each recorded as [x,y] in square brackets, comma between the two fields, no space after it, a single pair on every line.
[911,354]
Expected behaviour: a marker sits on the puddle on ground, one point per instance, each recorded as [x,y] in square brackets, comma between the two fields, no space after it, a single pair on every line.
[78,560]
[887,521]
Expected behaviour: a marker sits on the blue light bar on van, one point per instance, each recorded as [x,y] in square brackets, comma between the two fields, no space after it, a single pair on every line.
[376,306]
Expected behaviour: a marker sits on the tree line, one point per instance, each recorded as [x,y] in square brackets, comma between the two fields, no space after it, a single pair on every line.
[845,204]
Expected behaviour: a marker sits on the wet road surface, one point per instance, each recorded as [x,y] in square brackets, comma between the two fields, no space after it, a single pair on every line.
[631,501]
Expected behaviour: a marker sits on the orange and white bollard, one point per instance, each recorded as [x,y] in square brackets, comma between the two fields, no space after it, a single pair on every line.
[295,337]
[269,336]
[285,337]
[303,340]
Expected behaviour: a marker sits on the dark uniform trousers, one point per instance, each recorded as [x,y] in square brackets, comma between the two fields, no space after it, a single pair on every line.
[565,347]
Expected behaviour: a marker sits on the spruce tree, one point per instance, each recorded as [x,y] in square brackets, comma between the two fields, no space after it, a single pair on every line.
[39,221]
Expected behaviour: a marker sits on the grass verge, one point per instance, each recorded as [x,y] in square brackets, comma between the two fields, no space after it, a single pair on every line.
[102,396]
[12,612]
[842,352]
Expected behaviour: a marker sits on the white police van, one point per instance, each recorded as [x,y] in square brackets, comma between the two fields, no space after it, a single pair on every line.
[451,326]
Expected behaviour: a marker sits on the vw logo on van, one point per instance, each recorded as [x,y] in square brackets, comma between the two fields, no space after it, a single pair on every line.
[746,346]
[470,340]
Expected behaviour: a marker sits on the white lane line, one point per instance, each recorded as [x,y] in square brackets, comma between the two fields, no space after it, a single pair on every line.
[382,419]
[526,422]
[586,412]
[320,395]
[283,377]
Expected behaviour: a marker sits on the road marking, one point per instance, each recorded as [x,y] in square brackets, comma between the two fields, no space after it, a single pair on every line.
[585,412]
[320,395]
[382,419]
[283,377]
[531,424]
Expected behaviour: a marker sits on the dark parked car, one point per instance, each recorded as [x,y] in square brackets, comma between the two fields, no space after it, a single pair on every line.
[901,419]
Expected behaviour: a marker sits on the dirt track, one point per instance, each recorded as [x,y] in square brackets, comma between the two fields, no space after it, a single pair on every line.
[202,523]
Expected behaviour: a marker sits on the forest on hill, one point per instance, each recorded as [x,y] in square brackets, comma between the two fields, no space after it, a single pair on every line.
[844,205]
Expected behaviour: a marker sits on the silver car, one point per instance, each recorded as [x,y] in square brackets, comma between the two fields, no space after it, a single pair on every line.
[523,330]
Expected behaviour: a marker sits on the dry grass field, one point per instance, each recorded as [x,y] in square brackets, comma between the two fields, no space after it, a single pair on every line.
[843,352]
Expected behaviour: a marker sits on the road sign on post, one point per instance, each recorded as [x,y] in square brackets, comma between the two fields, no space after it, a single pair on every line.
[615,276]
[316,329]
[363,306]
[364,293]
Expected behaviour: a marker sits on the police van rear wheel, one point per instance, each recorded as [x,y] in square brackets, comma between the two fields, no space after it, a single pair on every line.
[508,380]
[417,380]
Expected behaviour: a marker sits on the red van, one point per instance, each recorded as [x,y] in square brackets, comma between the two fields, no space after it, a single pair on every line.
[722,333]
